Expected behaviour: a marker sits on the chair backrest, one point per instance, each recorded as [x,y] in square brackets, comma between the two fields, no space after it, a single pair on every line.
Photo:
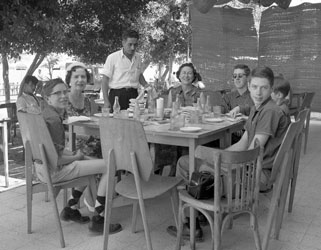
[34,130]
[241,171]
[284,150]
[126,136]
[302,116]
[307,100]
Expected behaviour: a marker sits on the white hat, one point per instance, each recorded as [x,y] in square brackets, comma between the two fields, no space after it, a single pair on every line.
[74,64]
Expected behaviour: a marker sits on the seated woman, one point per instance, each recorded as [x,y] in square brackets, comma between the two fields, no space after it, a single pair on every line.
[186,92]
[73,165]
[78,104]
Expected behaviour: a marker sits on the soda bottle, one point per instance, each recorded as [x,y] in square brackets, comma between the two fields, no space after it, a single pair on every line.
[150,102]
[208,107]
[169,100]
[116,106]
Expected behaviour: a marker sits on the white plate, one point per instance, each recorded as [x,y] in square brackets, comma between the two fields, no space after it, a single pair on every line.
[213,120]
[72,119]
[190,129]
[100,115]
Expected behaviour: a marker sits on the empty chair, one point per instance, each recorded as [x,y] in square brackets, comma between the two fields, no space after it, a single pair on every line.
[125,146]
[39,149]
[241,176]
[302,116]
[280,178]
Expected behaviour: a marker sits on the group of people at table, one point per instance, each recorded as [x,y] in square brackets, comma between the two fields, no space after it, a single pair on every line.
[257,94]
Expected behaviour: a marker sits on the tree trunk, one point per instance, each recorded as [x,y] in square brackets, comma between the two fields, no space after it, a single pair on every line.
[34,65]
[5,75]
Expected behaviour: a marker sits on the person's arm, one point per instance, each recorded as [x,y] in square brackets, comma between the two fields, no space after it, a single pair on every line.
[105,88]
[142,80]
[234,111]
[262,140]
[67,157]
[241,144]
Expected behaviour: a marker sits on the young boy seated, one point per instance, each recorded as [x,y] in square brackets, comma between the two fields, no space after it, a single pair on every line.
[266,123]
[28,102]
[281,89]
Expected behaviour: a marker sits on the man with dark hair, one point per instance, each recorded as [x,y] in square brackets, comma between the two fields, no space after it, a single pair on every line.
[27,101]
[123,72]
[239,100]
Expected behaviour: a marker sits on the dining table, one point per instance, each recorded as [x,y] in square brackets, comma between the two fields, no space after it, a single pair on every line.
[159,132]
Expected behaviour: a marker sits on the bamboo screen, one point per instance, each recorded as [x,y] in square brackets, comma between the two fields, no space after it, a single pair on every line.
[289,42]
[220,38]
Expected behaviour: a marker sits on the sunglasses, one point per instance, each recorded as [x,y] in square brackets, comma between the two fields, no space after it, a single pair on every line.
[238,76]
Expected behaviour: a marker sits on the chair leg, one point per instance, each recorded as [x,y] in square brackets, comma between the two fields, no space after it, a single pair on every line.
[28,169]
[174,201]
[180,226]
[255,228]
[306,133]
[134,218]
[56,214]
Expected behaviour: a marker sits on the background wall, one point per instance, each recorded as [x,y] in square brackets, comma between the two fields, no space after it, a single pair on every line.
[289,41]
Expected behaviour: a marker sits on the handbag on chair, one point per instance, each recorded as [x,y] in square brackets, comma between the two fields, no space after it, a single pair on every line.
[201,185]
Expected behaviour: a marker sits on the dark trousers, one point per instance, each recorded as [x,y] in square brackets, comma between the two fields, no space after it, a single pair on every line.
[124,95]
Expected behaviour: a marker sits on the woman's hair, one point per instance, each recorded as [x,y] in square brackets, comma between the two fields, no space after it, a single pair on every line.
[264,72]
[246,68]
[73,69]
[281,85]
[32,79]
[197,76]
[49,86]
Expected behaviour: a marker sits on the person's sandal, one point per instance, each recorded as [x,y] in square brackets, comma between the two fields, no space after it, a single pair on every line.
[97,226]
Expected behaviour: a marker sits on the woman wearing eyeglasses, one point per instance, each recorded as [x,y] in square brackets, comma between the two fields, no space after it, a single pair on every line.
[239,100]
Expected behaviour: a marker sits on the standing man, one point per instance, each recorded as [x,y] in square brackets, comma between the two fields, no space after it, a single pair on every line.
[239,100]
[122,72]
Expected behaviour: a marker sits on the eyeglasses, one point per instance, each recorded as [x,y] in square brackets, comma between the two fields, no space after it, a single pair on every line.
[238,76]
[60,93]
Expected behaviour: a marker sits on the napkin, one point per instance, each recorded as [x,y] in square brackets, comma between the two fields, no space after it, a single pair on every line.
[72,119]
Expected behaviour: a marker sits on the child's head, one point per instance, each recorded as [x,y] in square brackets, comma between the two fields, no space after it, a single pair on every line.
[281,89]
[30,84]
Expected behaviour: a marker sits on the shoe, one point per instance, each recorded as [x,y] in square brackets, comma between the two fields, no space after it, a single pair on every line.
[68,214]
[202,220]
[97,225]
[172,230]
[89,207]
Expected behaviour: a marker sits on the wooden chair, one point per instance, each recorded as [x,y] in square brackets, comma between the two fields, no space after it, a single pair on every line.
[4,149]
[280,177]
[305,104]
[302,117]
[125,147]
[40,149]
[241,171]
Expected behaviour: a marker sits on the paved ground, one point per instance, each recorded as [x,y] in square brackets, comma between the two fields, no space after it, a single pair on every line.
[301,229]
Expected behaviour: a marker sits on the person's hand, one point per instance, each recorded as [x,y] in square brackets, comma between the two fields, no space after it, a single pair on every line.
[234,112]
[79,155]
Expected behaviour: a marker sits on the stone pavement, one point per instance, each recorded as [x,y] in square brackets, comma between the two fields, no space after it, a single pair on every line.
[301,230]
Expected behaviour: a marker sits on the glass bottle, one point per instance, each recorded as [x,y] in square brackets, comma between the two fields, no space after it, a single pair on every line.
[178,102]
[116,106]
[208,106]
[174,115]
[137,111]
[169,100]
[150,102]
[199,106]
[202,98]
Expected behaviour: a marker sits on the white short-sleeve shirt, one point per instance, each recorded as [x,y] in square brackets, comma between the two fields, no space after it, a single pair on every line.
[122,72]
